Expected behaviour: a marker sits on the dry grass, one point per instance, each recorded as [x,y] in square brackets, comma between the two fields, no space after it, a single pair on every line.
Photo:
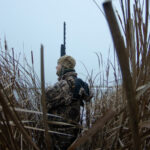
[21,118]
[117,133]
[20,90]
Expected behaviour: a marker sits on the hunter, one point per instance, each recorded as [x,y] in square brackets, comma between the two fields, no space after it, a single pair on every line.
[64,99]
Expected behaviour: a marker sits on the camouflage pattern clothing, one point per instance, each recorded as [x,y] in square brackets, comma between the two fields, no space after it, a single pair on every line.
[64,99]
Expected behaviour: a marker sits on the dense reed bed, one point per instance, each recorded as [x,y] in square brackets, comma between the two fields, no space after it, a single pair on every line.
[118,132]
[107,119]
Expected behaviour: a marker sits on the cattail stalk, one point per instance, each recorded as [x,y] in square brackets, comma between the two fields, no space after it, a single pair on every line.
[47,136]
[126,75]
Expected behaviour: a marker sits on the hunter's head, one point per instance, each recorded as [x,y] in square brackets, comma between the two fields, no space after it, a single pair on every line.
[65,62]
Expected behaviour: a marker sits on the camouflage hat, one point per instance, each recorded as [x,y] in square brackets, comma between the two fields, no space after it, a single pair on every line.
[67,62]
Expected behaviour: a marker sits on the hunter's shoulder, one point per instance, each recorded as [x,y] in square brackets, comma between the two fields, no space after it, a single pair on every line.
[61,83]
[57,85]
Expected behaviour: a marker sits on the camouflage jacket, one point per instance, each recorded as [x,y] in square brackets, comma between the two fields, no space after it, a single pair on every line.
[64,98]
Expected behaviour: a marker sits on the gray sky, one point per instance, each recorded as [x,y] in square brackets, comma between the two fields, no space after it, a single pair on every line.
[28,23]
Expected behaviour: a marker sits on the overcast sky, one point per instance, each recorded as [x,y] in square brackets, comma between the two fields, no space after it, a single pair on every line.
[29,23]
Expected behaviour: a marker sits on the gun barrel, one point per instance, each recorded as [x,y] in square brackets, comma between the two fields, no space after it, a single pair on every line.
[65,35]
[63,46]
